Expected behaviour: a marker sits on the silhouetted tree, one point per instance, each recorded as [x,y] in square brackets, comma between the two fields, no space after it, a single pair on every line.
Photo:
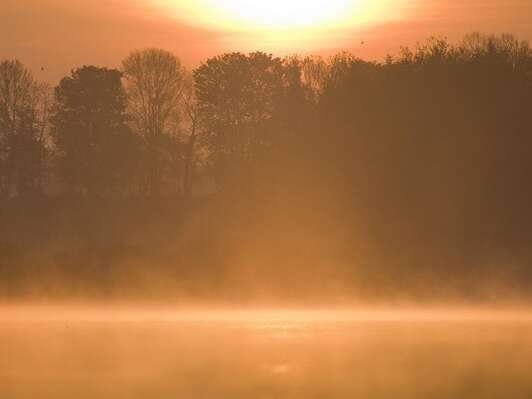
[237,98]
[95,146]
[154,84]
[24,114]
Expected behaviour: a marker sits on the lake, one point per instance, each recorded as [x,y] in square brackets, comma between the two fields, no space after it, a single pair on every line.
[126,352]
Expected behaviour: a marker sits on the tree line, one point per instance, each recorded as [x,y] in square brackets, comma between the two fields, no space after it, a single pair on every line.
[419,165]
[147,127]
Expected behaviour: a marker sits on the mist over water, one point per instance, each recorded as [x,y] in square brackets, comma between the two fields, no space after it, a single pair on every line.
[146,352]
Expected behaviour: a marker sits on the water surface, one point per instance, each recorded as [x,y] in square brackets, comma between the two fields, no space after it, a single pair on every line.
[103,353]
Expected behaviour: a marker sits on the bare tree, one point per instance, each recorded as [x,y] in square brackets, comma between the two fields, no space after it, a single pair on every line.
[24,116]
[154,81]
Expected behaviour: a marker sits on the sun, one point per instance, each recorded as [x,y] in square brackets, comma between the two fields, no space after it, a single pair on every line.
[285,25]
[271,15]
[282,14]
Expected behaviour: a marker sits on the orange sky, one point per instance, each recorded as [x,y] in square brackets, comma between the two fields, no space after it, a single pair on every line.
[62,34]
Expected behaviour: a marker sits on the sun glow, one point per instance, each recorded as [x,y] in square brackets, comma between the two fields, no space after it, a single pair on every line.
[282,21]
[280,14]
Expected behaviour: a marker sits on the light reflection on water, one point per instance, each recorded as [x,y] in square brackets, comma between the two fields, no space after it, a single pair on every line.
[264,354]
[282,330]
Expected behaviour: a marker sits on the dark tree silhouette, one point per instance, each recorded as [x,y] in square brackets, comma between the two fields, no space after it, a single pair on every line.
[24,114]
[154,83]
[95,146]
[238,98]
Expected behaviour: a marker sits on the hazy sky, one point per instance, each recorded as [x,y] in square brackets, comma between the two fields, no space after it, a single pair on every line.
[62,34]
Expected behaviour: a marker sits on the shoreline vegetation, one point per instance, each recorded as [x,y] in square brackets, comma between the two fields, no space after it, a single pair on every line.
[255,178]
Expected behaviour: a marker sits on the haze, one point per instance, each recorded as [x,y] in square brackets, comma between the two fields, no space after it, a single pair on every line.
[58,35]
[265,199]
